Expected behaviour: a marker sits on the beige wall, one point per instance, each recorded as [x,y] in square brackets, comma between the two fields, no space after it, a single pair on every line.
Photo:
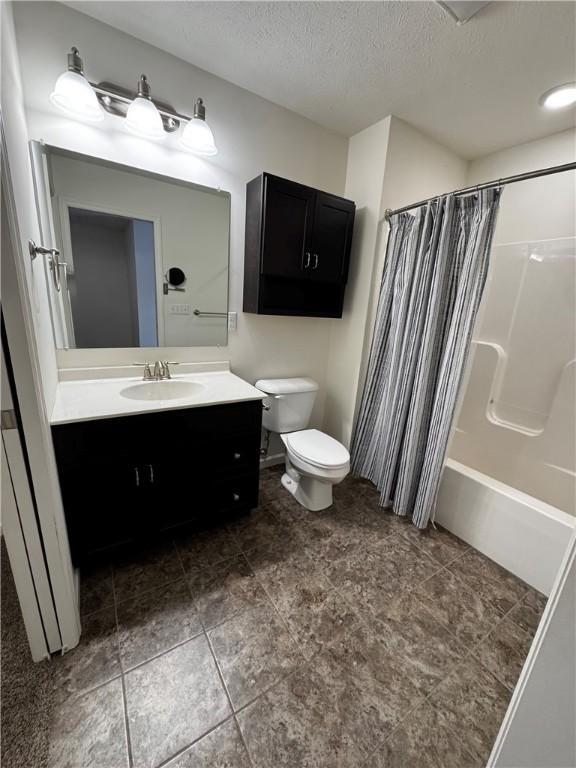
[253,135]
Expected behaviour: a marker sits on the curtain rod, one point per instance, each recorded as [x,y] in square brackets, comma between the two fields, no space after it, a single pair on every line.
[488,185]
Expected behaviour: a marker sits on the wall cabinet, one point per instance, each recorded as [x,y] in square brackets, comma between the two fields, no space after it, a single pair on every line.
[297,249]
[130,478]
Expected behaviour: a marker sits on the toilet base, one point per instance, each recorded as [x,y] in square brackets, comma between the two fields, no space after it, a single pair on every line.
[308,491]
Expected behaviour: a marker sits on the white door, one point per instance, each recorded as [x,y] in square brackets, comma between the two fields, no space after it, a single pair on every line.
[539,729]
[21,533]
[39,505]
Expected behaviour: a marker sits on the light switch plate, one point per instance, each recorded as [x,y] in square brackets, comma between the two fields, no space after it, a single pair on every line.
[179,309]
[232,321]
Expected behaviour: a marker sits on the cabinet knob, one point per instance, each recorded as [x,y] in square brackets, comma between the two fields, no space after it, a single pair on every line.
[236,496]
[237,456]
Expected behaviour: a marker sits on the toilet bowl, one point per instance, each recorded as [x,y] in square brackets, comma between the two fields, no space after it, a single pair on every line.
[314,461]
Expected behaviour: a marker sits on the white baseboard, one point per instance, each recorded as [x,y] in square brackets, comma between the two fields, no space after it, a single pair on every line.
[272,461]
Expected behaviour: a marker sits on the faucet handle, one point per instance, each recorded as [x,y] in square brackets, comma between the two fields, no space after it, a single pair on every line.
[166,368]
[148,375]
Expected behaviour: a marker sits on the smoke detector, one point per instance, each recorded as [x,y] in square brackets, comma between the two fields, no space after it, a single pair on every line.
[462,10]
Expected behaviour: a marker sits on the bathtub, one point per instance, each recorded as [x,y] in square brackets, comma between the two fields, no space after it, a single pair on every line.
[525,535]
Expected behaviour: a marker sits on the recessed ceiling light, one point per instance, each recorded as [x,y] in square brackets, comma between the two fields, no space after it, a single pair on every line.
[560,96]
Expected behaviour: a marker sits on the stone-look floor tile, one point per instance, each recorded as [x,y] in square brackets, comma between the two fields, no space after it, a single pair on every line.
[291,725]
[529,612]
[207,548]
[89,730]
[172,701]
[504,651]
[437,542]
[420,645]
[221,748]
[254,650]
[457,607]
[374,576]
[471,703]
[145,570]
[96,588]
[262,530]
[279,569]
[489,580]
[422,741]
[363,686]
[155,621]
[94,661]
[315,614]
[224,590]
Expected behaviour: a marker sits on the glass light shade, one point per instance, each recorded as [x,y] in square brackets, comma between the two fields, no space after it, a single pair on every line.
[559,97]
[143,119]
[73,94]
[198,138]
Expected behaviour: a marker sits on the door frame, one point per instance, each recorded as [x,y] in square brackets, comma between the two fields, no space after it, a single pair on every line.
[35,427]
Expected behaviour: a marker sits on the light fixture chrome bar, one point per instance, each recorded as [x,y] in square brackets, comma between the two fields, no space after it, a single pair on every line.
[388,213]
[115,100]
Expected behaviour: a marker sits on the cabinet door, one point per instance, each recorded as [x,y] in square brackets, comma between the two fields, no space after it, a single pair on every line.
[104,503]
[332,238]
[288,216]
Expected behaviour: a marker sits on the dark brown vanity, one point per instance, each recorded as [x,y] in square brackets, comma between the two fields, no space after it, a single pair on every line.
[297,249]
[134,477]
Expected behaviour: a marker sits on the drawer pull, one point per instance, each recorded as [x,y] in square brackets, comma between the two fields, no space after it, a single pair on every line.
[236,496]
[237,456]
[137,476]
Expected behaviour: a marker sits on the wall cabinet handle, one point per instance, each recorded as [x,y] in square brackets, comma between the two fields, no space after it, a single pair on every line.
[151,474]
[236,496]
[315,261]
[307,262]
[137,476]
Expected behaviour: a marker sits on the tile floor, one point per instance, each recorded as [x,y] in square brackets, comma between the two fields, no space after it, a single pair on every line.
[291,639]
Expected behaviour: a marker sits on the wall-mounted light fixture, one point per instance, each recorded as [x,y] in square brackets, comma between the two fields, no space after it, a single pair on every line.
[145,116]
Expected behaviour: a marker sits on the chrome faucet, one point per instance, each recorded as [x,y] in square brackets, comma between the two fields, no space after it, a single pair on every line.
[160,372]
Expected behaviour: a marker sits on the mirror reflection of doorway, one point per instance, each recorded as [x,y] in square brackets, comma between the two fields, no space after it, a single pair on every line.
[112,280]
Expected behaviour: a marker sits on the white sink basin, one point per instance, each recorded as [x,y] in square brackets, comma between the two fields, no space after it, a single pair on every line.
[161,390]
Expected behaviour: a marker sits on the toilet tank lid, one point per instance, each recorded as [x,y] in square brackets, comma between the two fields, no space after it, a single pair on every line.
[286,386]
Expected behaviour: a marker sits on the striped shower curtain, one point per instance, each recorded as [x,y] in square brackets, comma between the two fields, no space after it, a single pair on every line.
[434,274]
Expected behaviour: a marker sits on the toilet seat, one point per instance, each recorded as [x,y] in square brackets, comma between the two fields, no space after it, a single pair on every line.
[317,449]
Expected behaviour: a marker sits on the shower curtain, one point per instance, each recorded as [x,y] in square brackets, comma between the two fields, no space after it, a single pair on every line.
[434,274]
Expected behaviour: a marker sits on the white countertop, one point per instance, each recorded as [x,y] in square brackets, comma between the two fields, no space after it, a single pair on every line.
[100,398]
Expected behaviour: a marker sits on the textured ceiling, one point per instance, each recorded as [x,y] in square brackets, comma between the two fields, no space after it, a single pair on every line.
[345,65]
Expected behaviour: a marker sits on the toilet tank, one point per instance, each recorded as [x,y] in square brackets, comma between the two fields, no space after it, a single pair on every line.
[289,405]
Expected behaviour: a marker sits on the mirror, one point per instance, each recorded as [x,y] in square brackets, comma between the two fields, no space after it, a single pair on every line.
[143,257]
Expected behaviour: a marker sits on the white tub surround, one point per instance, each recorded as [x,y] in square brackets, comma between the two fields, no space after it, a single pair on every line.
[87,399]
[524,535]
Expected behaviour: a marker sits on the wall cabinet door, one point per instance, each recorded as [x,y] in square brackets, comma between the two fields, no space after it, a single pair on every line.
[287,228]
[332,237]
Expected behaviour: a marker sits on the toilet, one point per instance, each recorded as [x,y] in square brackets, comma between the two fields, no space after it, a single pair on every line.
[314,460]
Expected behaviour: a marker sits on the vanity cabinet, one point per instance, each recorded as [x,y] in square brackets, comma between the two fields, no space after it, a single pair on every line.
[133,477]
[297,249]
